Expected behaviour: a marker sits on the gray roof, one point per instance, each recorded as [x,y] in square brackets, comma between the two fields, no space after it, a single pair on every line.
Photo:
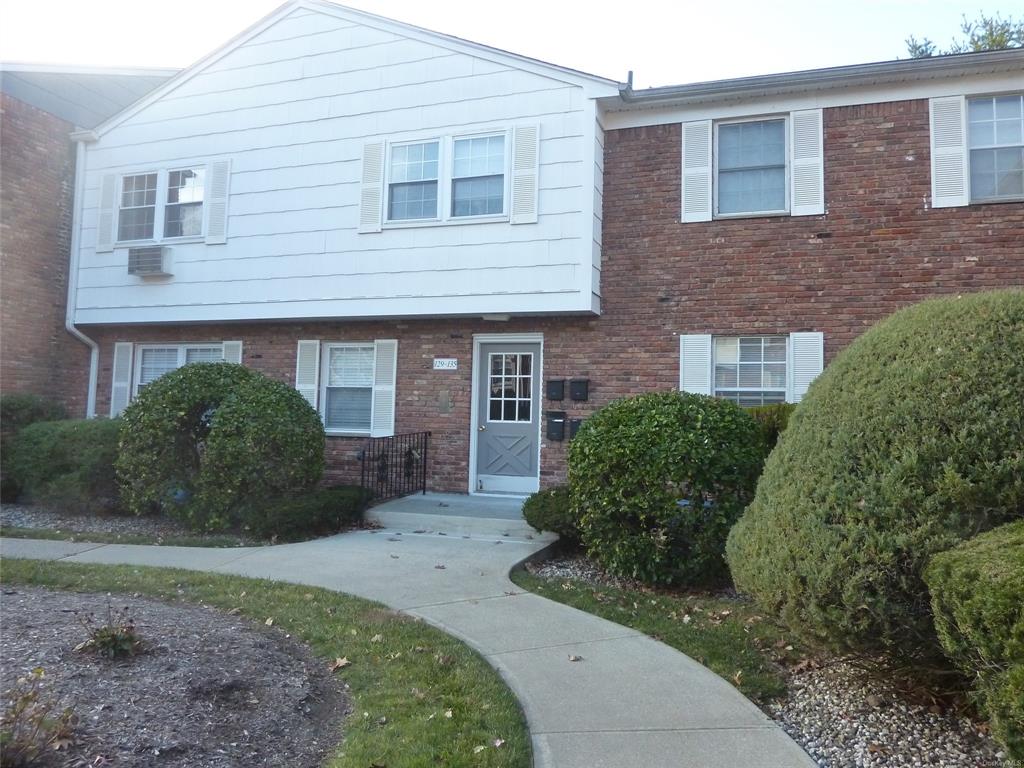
[84,97]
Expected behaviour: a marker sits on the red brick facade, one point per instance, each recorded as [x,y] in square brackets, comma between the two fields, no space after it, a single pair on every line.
[37,170]
[878,248]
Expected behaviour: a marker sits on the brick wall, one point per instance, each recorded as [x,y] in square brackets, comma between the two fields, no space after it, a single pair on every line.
[879,248]
[37,168]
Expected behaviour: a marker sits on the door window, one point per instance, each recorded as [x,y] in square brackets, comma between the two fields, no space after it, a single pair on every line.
[510,394]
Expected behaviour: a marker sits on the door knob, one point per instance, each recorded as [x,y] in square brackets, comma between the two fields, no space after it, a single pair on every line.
[483,427]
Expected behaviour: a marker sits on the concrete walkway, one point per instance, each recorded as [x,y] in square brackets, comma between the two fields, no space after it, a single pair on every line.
[631,701]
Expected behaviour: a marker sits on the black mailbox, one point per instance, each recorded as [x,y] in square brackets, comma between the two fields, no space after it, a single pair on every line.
[579,389]
[574,427]
[556,389]
[556,425]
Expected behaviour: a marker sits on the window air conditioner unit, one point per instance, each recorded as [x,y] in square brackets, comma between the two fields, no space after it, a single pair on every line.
[148,261]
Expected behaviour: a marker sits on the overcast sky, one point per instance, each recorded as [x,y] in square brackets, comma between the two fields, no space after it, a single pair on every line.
[662,41]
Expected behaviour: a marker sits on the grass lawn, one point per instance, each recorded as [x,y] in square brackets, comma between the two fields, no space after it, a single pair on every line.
[419,696]
[99,537]
[724,634]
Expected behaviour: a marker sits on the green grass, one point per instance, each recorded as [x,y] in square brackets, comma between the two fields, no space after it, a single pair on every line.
[724,634]
[401,669]
[99,537]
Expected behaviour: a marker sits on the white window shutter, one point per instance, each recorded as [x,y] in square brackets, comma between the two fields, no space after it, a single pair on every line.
[217,202]
[233,352]
[121,378]
[525,165]
[697,170]
[950,187]
[695,364]
[385,371]
[105,214]
[307,370]
[371,193]
[807,157]
[807,358]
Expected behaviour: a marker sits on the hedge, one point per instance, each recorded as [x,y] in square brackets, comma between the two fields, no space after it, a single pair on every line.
[550,510]
[17,411]
[657,480]
[977,597]
[317,512]
[68,464]
[907,444]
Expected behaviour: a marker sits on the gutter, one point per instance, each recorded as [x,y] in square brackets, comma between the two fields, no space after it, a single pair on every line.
[80,138]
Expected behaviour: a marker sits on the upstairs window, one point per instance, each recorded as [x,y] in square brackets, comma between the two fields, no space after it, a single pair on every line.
[183,214]
[751,167]
[137,213]
[412,186]
[996,141]
[478,176]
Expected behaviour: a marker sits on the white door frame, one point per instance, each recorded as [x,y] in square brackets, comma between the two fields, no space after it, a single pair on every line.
[474,409]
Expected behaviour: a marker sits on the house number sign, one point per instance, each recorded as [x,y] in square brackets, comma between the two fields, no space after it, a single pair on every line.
[446,363]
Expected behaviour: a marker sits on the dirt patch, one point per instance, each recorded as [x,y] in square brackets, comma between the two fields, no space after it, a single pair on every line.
[209,689]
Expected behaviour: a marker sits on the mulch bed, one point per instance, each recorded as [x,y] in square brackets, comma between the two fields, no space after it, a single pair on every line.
[208,689]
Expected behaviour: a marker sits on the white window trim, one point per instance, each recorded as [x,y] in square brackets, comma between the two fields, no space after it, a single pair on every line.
[787,391]
[445,160]
[182,349]
[325,364]
[971,199]
[714,167]
[162,175]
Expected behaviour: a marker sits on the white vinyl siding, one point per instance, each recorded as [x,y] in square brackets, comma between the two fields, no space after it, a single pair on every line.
[154,360]
[356,385]
[995,135]
[751,370]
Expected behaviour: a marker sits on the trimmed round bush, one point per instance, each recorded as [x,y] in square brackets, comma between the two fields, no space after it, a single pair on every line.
[207,438]
[68,464]
[657,480]
[907,444]
[549,510]
[977,596]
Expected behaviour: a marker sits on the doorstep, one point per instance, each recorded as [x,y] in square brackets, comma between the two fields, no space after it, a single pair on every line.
[455,514]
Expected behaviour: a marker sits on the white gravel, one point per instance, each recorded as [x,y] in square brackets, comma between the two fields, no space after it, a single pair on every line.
[839,715]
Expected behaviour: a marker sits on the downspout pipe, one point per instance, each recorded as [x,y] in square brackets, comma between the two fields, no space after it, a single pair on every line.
[80,138]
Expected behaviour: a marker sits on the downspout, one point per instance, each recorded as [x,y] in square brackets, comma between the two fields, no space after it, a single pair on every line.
[80,138]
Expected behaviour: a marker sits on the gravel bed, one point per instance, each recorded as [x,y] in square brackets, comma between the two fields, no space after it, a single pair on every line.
[840,716]
[21,516]
[209,690]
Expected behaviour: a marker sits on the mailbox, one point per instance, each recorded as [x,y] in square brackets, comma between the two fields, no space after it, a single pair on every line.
[579,389]
[574,427]
[556,425]
[556,389]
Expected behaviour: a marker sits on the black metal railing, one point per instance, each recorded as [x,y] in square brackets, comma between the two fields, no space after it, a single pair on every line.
[395,466]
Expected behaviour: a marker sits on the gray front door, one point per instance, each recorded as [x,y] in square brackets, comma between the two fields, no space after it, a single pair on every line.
[508,422]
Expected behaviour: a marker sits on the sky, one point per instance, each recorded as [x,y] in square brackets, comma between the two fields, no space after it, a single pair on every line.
[663,42]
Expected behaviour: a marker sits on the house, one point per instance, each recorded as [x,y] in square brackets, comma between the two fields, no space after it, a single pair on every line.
[421,233]
[40,106]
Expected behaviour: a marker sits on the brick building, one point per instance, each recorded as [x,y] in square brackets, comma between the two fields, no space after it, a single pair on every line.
[39,108]
[422,234]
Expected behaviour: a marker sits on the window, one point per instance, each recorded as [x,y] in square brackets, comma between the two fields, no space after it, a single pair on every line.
[750,370]
[138,207]
[154,360]
[448,178]
[996,141]
[168,202]
[412,185]
[751,167]
[478,176]
[348,387]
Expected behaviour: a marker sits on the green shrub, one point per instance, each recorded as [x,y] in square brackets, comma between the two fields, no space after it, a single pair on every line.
[17,411]
[907,444]
[657,480]
[317,512]
[68,464]
[549,510]
[977,597]
[773,420]
[203,441]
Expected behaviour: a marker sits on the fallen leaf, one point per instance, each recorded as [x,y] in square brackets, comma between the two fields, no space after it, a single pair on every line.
[686,619]
[573,657]
[448,714]
[440,567]
[339,663]
[377,639]
[499,742]
[417,693]
[738,677]
[478,749]
[382,721]
[394,557]
[234,611]
[269,622]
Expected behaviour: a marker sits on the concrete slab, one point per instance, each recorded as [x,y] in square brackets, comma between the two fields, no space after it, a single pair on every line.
[458,505]
[39,549]
[189,558]
[736,748]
